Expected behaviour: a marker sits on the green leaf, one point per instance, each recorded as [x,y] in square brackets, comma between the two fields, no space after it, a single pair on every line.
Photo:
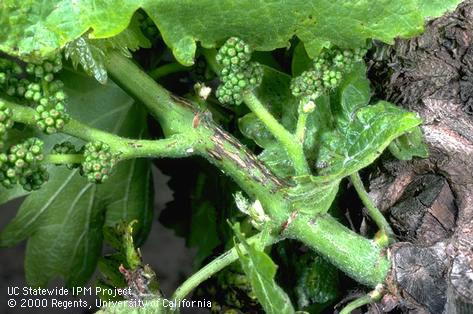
[317,281]
[275,92]
[90,53]
[310,197]
[276,159]
[109,269]
[365,137]
[434,8]
[67,239]
[63,221]
[252,127]
[90,57]
[409,145]
[203,202]
[300,60]
[38,28]
[345,134]
[128,196]
[131,39]
[352,94]
[203,233]
[260,269]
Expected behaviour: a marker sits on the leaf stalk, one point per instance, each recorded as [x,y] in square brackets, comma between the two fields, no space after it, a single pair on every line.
[290,142]
[387,235]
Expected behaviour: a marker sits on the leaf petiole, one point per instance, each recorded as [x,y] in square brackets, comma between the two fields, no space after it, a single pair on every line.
[167,69]
[387,235]
[290,142]
[373,296]
[216,265]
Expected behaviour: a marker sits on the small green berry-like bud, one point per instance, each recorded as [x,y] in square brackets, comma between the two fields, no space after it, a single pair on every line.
[35,179]
[49,77]
[6,122]
[308,84]
[30,68]
[64,148]
[48,66]
[6,180]
[17,70]
[39,71]
[36,96]
[60,95]
[28,94]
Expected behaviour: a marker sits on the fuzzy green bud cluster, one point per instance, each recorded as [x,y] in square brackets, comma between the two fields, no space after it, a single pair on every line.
[22,164]
[326,73]
[36,86]
[98,162]
[50,114]
[6,122]
[238,73]
[10,81]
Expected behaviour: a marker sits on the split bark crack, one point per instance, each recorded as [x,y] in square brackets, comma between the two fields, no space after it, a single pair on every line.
[433,76]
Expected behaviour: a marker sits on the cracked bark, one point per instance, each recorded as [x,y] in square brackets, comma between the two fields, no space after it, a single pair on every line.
[433,76]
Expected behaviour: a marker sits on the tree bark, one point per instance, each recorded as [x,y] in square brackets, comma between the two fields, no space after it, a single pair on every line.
[433,76]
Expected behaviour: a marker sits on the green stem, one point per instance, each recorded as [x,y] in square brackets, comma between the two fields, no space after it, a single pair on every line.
[373,296]
[387,234]
[179,145]
[214,267]
[205,273]
[301,126]
[305,108]
[353,305]
[177,116]
[290,142]
[63,159]
[361,258]
[167,69]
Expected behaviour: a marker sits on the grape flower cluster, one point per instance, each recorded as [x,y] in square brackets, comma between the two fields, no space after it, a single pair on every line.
[325,73]
[22,164]
[238,73]
[35,85]
[98,162]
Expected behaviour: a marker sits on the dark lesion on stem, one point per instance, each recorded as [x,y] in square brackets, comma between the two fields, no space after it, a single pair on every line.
[183,102]
[243,158]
